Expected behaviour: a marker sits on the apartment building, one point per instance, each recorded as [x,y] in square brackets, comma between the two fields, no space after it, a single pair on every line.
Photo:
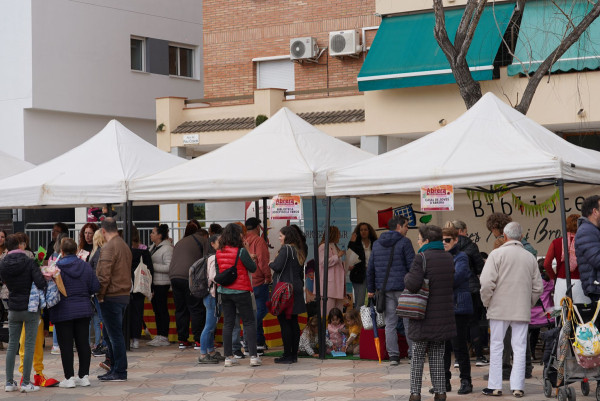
[70,66]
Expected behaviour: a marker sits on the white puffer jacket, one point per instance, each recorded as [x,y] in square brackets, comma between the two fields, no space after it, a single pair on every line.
[161,259]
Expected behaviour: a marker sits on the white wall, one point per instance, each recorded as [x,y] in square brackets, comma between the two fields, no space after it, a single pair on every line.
[50,134]
[224,212]
[81,54]
[15,72]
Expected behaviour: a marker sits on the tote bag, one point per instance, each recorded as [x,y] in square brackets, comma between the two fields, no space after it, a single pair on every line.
[414,305]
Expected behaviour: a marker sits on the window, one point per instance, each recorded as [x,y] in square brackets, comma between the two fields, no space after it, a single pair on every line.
[137,54]
[180,61]
[278,73]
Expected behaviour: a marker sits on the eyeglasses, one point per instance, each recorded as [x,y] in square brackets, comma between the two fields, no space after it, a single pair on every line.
[447,240]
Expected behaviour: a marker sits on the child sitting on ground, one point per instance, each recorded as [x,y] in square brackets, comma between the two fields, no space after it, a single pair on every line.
[352,332]
[335,327]
[309,340]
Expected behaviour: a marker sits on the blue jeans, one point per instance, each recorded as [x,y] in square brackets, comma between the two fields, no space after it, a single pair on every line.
[112,314]
[207,338]
[95,324]
[15,325]
[261,295]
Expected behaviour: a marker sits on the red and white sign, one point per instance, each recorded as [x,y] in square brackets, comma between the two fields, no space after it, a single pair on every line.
[286,207]
[437,197]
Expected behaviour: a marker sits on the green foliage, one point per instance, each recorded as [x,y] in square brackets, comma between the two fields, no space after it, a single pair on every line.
[261,118]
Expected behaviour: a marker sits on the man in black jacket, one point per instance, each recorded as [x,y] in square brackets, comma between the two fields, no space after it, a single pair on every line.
[18,271]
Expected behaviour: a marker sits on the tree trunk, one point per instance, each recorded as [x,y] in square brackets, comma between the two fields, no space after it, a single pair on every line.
[470,90]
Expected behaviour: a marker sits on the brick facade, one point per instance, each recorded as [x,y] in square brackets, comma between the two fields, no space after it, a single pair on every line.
[236,31]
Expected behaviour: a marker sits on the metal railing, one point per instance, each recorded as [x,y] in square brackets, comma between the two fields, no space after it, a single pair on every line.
[40,234]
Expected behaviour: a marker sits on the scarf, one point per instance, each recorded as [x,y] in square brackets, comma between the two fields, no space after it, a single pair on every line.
[432,245]
[572,257]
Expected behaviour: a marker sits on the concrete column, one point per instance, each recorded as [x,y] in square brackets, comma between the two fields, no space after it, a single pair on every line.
[376,144]
[268,101]
[169,114]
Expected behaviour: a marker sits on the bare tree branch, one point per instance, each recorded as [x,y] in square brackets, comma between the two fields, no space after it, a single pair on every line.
[440,33]
[563,46]
[464,48]
[465,22]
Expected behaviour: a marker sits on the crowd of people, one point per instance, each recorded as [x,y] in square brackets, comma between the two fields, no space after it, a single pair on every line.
[508,292]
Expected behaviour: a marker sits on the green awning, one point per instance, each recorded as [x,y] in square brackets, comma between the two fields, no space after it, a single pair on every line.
[544,26]
[405,53]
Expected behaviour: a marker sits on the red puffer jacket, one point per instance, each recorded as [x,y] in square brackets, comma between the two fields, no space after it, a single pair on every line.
[225,259]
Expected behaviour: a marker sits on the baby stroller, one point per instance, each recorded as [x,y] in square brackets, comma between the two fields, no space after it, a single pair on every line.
[562,367]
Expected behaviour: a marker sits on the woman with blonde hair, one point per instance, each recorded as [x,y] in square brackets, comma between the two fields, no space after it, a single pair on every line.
[336,274]
[99,348]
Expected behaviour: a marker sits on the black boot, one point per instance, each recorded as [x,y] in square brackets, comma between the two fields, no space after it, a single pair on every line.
[465,387]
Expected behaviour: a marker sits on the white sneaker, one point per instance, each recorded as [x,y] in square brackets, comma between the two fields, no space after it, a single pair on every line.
[55,350]
[135,343]
[229,362]
[11,386]
[28,388]
[164,341]
[155,342]
[255,361]
[67,383]
[82,382]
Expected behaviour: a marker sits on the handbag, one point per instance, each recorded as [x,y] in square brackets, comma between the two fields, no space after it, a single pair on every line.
[380,294]
[367,321]
[142,280]
[228,276]
[282,296]
[414,305]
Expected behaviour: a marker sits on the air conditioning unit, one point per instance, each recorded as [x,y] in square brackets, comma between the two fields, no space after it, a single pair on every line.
[344,43]
[303,48]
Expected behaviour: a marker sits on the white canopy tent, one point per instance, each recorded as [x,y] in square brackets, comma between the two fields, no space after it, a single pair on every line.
[10,165]
[285,154]
[489,144]
[95,172]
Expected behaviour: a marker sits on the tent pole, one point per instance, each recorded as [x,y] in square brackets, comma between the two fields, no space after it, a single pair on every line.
[563,220]
[326,264]
[127,227]
[316,286]
[256,211]
[265,223]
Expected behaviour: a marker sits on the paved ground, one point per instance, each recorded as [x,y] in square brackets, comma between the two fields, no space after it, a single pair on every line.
[168,373]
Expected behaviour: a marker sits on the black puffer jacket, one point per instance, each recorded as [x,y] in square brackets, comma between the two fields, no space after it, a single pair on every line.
[439,323]
[475,261]
[18,271]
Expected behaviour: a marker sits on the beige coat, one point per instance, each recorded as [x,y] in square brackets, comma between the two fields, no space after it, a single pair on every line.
[510,283]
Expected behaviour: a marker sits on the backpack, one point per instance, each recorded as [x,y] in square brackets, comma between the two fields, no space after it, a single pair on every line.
[587,337]
[199,278]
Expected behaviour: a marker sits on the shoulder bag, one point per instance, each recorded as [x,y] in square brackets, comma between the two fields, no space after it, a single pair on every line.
[228,276]
[414,306]
[282,296]
[380,294]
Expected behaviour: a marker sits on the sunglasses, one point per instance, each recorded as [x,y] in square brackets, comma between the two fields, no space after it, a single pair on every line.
[447,240]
